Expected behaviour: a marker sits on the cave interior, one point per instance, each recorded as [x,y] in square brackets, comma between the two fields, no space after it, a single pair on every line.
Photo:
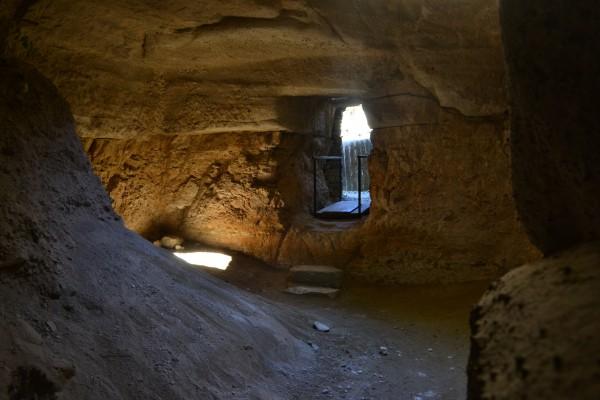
[298,199]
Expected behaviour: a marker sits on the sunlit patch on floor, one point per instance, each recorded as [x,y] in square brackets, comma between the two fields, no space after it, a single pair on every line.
[206,259]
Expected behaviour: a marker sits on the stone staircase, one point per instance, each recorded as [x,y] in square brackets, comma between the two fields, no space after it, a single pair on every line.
[315,280]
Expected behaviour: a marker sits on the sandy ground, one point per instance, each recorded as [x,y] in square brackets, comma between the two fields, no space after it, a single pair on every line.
[423,328]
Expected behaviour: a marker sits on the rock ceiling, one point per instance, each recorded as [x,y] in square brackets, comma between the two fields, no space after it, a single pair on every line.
[138,67]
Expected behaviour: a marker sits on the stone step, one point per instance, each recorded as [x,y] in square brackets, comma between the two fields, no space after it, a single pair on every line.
[316,275]
[313,290]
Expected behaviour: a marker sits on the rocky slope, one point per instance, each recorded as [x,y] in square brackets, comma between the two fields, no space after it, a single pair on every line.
[90,309]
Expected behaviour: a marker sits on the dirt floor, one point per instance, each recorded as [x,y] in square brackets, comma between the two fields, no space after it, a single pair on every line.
[423,331]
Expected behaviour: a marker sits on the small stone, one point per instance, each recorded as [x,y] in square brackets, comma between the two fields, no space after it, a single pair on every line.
[313,290]
[325,391]
[51,325]
[383,351]
[321,327]
[179,247]
[170,242]
[314,346]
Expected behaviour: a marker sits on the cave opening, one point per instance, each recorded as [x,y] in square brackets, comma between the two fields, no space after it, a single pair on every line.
[355,134]
[345,168]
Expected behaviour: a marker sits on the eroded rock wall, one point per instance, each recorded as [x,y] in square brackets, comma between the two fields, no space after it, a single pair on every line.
[225,190]
[442,199]
[442,205]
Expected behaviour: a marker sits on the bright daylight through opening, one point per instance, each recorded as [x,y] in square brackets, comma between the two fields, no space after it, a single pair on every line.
[206,259]
[354,124]
[356,142]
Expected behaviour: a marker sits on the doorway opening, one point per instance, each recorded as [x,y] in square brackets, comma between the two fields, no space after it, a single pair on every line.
[356,147]
[352,132]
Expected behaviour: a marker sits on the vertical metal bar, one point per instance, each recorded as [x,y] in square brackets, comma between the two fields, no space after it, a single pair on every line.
[314,186]
[341,160]
[359,186]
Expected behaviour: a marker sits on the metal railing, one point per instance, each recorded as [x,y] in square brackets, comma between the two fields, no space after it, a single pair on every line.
[360,183]
[340,159]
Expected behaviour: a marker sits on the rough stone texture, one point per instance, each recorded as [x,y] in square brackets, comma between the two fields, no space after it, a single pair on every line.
[535,332]
[218,189]
[442,208]
[552,56]
[92,311]
[141,68]
[442,199]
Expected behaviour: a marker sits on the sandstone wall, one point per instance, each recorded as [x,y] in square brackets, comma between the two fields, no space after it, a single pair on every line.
[442,199]
[442,205]
[222,190]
